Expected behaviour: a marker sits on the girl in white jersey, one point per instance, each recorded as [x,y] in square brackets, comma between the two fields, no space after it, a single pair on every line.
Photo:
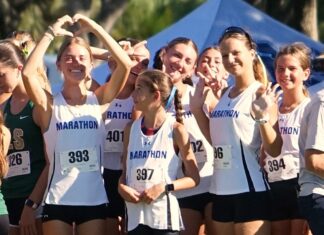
[238,125]
[73,129]
[292,68]
[151,162]
[179,59]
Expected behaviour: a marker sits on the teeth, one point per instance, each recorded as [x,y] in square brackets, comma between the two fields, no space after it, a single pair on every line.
[75,71]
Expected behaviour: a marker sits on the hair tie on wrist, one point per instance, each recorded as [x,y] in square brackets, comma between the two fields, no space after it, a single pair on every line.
[171,96]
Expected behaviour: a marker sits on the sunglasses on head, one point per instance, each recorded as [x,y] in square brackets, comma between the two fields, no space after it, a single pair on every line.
[236,30]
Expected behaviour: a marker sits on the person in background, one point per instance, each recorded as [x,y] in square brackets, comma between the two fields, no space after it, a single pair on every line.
[73,130]
[179,59]
[5,137]
[23,187]
[311,177]
[119,113]
[292,69]
[150,159]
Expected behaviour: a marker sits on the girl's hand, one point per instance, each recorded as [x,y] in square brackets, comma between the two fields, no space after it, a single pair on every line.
[266,98]
[216,83]
[57,28]
[86,24]
[151,194]
[129,194]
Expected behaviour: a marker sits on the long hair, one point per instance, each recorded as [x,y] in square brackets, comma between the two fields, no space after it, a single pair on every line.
[3,161]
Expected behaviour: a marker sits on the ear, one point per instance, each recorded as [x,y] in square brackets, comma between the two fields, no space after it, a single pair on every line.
[157,95]
[253,53]
[306,73]
[20,67]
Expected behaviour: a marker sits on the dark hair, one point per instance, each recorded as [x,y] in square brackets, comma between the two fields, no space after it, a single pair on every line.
[157,80]
[242,35]
[10,54]
[157,61]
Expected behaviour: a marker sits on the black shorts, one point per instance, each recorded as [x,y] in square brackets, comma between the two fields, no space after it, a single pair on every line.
[284,196]
[146,230]
[70,214]
[15,207]
[243,207]
[116,205]
[196,202]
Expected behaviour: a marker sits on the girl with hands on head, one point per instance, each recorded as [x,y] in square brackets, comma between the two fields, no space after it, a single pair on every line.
[73,130]
[151,163]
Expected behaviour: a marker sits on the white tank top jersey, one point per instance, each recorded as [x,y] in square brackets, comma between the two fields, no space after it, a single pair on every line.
[236,140]
[286,165]
[202,149]
[118,114]
[74,145]
[152,160]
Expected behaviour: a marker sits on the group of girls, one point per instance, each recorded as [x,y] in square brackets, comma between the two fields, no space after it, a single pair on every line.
[184,159]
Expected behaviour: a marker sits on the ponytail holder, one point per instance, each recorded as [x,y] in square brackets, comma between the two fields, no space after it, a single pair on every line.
[171,96]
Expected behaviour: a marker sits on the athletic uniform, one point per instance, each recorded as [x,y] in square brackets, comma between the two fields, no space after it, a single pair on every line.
[152,160]
[311,197]
[118,114]
[198,197]
[74,145]
[26,160]
[238,183]
[283,171]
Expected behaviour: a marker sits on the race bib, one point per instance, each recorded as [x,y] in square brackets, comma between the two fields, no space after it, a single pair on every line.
[83,160]
[199,150]
[282,167]
[114,141]
[143,178]
[223,157]
[19,164]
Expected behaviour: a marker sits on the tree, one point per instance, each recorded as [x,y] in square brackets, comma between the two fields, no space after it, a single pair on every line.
[298,14]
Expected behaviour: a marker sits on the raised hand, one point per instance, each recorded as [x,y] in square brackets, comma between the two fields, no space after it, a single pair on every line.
[265,99]
[57,29]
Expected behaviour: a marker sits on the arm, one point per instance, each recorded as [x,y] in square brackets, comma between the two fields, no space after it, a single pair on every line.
[40,97]
[314,161]
[109,90]
[129,194]
[6,137]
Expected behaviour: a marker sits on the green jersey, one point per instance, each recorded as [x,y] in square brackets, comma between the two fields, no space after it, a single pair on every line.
[26,153]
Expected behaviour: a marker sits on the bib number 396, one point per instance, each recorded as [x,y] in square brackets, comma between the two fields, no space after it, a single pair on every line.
[222,157]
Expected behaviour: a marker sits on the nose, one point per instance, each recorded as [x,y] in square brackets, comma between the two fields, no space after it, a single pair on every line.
[230,58]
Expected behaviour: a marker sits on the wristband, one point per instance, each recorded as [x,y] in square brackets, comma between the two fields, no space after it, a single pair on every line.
[30,203]
[169,188]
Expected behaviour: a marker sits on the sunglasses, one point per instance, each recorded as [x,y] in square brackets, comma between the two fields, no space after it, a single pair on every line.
[236,30]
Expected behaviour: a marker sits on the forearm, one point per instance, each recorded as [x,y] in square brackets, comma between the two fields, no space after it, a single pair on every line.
[314,161]
[271,139]
[203,122]
[40,187]
[99,53]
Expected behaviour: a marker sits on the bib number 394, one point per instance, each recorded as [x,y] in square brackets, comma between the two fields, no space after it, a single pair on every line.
[222,157]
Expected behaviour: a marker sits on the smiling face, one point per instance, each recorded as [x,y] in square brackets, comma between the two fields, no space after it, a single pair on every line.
[289,72]
[180,61]
[74,60]
[211,60]
[237,57]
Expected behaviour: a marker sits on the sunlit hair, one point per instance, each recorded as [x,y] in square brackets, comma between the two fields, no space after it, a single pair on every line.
[214,47]
[157,80]
[299,51]
[25,42]
[73,40]
[3,161]
[242,35]
[10,54]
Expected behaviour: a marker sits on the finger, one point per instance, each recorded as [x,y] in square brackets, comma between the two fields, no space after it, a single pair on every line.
[202,76]
[66,33]
[211,72]
[278,94]
[142,43]
[275,87]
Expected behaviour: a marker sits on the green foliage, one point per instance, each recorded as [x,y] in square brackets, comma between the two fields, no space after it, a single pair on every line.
[144,18]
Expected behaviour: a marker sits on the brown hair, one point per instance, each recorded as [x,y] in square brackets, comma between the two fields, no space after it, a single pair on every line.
[301,52]
[3,161]
[240,34]
[157,80]
[73,40]
[10,54]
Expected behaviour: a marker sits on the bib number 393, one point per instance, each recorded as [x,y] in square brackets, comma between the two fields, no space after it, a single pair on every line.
[82,159]
[222,157]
